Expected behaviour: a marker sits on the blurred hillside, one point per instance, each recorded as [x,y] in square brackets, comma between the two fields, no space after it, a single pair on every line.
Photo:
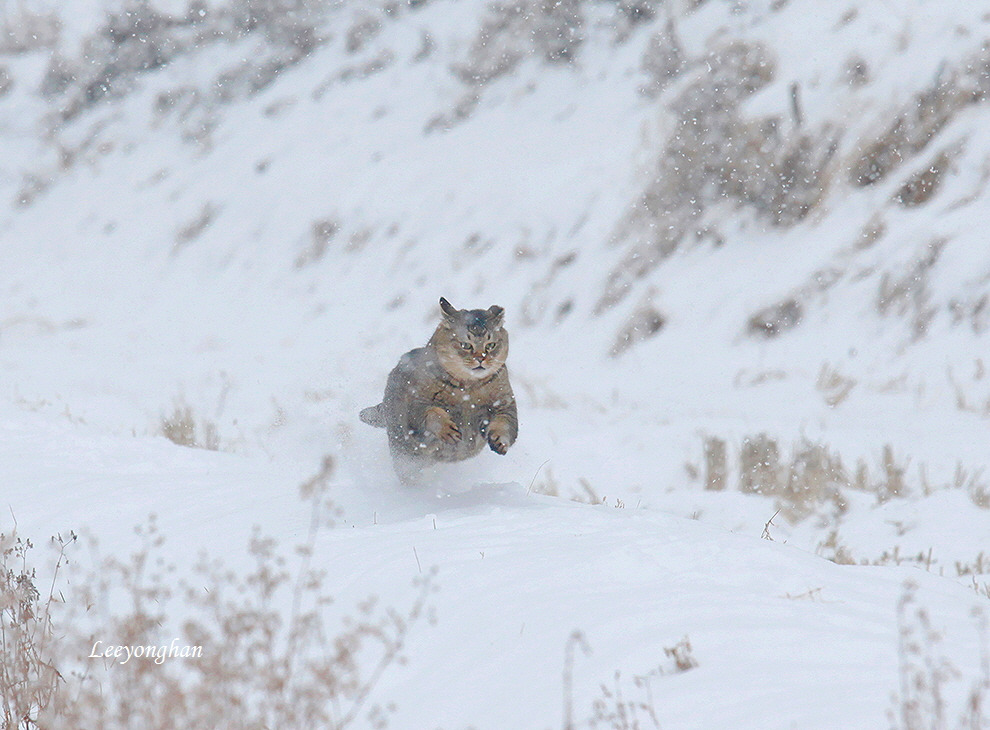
[739,243]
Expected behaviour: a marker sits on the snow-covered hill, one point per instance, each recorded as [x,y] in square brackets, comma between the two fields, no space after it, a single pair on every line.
[739,247]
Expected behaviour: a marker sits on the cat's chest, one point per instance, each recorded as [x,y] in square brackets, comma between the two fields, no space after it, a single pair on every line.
[465,401]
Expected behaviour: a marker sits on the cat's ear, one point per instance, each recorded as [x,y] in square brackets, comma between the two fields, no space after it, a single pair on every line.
[449,312]
[495,314]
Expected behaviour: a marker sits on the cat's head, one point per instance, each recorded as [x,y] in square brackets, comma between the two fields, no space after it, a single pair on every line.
[471,343]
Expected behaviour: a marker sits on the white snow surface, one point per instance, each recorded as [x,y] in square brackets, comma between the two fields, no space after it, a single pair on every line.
[172,259]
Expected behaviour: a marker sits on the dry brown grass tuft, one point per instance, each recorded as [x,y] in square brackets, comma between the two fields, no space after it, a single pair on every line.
[623,704]
[181,428]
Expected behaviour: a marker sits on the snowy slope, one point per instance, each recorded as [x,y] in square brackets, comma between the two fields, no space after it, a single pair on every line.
[780,638]
[259,249]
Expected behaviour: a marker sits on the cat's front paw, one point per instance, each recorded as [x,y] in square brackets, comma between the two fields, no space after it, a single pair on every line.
[500,436]
[441,425]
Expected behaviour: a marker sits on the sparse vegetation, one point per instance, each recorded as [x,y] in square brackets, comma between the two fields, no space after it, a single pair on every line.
[776,319]
[517,29]
[622,705]
[715,154]
[645,322]
[663,60]
[138,38]
[833,385]
[254,664]
[907,293]
[23,29]
[920,701]
[919,120]
[30,658]
[181,427]
[321,233]
[810,476]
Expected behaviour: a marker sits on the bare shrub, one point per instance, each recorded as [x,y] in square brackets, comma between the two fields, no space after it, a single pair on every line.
[973,309]
[547,485]
[815,475]
[979,493]
[682,655]
[292,25]
[873,231]
[856,71]
[614,710]
[262,649]
[971,481]
[765,535]
[258,666]
[133,40]
[632,13]
[29,644]
[59,76]
[832,549]
[181,100]
[32,186]
[979,566]
[918,702]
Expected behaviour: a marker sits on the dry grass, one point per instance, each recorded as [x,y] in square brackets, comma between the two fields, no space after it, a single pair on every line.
[776,319]
[833,385]
[271,652]
[645,322]
[716,465]
[623,704]
[516,29]
[23,30]
[920,701]
[806,477]
[916,124]
[716,156]
[30,680]
[907,293]
[182,428]
[321,234]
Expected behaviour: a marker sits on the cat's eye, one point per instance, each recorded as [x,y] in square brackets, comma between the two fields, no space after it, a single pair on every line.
[489,347]
[466,346]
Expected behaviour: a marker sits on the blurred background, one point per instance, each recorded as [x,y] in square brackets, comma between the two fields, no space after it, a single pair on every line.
[741,244]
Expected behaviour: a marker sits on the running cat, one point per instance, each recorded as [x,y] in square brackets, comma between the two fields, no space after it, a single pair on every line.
[445,401]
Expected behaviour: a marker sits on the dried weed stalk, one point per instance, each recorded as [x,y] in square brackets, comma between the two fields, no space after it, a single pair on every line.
[260,649]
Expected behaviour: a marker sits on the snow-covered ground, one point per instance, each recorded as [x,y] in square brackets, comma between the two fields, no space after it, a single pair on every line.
[255,249]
